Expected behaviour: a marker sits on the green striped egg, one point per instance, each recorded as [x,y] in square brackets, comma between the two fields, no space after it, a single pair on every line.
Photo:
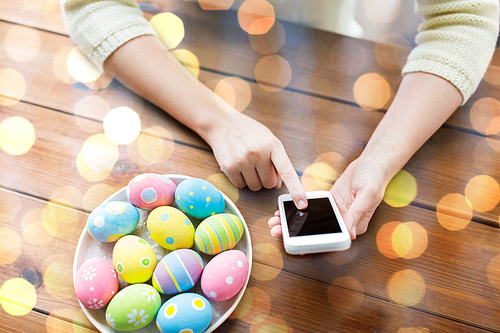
[219,232]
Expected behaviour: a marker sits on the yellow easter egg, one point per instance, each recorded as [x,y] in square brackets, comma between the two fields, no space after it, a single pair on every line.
[170,228]
[134,259]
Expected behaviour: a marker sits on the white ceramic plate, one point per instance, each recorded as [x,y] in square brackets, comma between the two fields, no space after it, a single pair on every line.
[88,248]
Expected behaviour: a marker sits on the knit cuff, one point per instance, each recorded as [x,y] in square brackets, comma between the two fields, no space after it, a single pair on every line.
[445,70]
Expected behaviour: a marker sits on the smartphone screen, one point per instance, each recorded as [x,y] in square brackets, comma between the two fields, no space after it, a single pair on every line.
[317,218]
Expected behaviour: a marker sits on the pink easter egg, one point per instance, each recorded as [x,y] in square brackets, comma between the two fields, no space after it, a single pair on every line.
[150,190]
[96,283]
[225,275]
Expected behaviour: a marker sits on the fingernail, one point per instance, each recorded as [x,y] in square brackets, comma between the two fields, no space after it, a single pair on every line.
[354,231]
[302,204]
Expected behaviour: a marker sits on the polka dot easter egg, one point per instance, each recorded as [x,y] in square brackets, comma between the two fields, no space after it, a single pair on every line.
[225,275]
[186,312]
[178,271]
[112,220]
[150,190]
[134,259]
[134,307]
[170,228]
[96,283]
[199,198]
[218,233]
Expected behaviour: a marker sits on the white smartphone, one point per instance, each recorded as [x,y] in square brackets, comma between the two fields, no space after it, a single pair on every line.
[318,228]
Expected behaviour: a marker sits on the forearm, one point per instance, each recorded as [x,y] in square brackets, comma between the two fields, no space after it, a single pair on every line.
[422,104]
[145,66]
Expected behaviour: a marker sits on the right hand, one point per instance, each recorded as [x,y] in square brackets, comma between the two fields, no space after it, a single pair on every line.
[249,154]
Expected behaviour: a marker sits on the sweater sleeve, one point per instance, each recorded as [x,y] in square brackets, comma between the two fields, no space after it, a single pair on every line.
[455,41]
[100,27]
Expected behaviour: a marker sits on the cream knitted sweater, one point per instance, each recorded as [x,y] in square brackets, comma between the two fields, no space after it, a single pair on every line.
[456,39]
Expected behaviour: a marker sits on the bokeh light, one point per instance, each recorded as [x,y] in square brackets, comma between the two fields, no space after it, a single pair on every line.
[352,59]
[271,41]
[273,73]
[493,272]
[413,330]
[60,65]
[93,107]
[96,194]
[270,324]
[389,56]
[485,115]
[11,247]
[215,4]
[454,211]
[97,158]
[10,205]
[256,17]
[33,229]
[80,68]
[12,86]
[169,28]
[254,303]
[318,176]
[371,91]
[483,193]
[235,91]
[349,290]
[17,297]
[189,60]
[22,43]
[59,221]
[406,288]
[53,15]
[382,11]
[223,183]
[492,75]
[57,277]
[401,190]
[267,262]
[17,135]
[402,240]
[122,125]
[156,144]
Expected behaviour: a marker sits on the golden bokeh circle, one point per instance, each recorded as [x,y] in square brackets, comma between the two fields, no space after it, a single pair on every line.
[454,211]
[11,246]
[483,193]
[156,144]
[17,297]
[215,4]
[267,263]
[484,115]
[12,86]
[17,135]
[256,17]
[22,43]
[10,205]
[223,183]
[122,125]
[235,91]
[273,73]
[492,75]
[97,158]
[406,288]
[349,290]
[371,91]
[254,304]
[420,240]
[407,240]
[386,11]
[57,279]
[271,41]
[402,239]
[189,60]
[94,107]
[60,65]
[384,239]
[59,221]
[493,272]
[401,190]
[169,28]
[33,228]
[96,194]
[80,67]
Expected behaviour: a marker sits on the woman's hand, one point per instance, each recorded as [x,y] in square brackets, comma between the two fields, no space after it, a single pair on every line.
[357,192]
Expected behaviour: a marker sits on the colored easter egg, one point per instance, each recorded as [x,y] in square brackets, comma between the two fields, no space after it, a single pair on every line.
[112,220]
[178,271]
[96,283]
[187,312]
[199,198]
[134,259]
[225,275]
[218,233]
[150,190]
[170,228]
[134,307]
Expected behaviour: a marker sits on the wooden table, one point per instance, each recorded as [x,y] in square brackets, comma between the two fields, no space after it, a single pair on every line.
[429,262]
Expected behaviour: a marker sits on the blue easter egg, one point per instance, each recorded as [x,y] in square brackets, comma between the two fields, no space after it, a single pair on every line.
[188,312]
[112,220]
[199,198]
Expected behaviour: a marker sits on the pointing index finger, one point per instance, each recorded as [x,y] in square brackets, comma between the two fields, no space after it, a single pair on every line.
[287,173]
